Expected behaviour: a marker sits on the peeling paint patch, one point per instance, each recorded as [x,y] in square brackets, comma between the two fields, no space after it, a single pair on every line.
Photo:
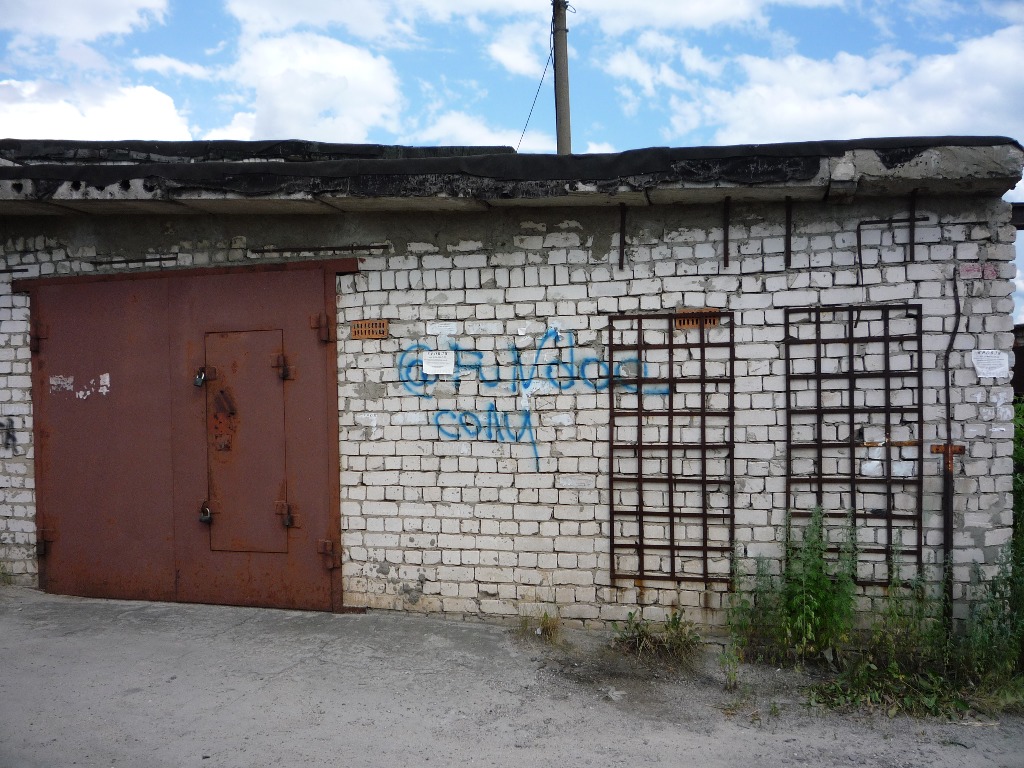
[62,384]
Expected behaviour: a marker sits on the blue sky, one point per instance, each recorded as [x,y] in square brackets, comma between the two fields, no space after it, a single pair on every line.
[642,73]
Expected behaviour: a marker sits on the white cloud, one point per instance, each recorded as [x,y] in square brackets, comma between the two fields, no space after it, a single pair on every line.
[398,19]
[696,62]
[522,49]
[974,90]
[37,110]
[461,129]
[166,66]
[78,19]
[618,18]
[1011,10]
[650,77]
[598,147]
[312,86]
[372,19]
[241,128]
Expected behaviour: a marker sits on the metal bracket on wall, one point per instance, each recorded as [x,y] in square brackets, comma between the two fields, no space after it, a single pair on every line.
[622,235]
[726,221]
[789,232]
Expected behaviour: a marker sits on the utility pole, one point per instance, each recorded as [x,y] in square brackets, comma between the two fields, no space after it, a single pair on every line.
[561,50]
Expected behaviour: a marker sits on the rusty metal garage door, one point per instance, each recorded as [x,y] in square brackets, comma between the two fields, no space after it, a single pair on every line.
[186,437]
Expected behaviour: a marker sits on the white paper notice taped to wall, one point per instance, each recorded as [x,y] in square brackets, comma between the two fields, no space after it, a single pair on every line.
[438,362]
[990,363]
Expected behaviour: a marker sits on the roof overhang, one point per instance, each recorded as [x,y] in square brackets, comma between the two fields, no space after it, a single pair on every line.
[274,178]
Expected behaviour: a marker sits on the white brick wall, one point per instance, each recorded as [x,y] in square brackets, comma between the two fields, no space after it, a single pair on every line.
[486,492]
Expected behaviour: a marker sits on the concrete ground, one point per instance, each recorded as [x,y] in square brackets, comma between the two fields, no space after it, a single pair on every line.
[110,683]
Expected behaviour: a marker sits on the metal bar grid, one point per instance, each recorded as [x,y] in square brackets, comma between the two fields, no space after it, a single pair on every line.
[670,443]
[854,430]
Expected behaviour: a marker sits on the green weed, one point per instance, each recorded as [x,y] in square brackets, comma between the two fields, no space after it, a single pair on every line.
[676,641]
[806,612]
[546,627]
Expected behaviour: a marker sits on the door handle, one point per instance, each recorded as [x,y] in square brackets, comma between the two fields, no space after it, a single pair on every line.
[205,515]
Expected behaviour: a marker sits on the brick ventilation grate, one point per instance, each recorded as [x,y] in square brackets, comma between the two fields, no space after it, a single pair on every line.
[696,318]
[368,329]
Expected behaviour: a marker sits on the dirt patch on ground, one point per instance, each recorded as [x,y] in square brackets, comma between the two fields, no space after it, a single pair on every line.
[111,683]
[768,719]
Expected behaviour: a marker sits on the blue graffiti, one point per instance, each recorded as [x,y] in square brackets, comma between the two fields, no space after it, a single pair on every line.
[493,425]
[567,370]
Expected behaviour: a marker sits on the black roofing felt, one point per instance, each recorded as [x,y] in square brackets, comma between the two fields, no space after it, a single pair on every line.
[322,167]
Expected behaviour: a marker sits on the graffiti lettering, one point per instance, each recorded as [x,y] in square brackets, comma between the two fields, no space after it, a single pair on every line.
[565,371]
[493,425]
[556,365]
[7,435]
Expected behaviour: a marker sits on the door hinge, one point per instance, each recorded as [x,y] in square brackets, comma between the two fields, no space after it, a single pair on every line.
[332,557]
[324,328]
[37,333]
[284,370]
[43,538]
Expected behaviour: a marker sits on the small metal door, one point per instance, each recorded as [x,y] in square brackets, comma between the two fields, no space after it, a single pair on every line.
[245,445]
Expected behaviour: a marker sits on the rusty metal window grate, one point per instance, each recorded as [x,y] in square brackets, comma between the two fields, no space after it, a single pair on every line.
[368,329]
[854,431]
[671,413]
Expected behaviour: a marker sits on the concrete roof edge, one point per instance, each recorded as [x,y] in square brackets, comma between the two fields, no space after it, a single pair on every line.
[978,165]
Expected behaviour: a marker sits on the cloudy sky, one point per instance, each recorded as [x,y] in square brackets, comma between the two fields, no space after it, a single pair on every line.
[642,72]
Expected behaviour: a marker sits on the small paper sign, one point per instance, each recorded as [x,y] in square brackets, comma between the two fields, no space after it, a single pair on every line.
[990,363]
[442,328]
[438,362]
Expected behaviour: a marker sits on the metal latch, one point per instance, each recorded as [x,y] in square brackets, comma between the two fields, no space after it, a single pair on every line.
[283,509]
[283,369]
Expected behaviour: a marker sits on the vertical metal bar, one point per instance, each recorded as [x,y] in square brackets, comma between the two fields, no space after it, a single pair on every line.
[704,444]
[919,372]
[912,237]
[851,418]
[669,472]
[790,404]
[726,205]
[730,433]
[789,232]
[622,235]
[887,382]
[820,494]
[611,449]
[641,512]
